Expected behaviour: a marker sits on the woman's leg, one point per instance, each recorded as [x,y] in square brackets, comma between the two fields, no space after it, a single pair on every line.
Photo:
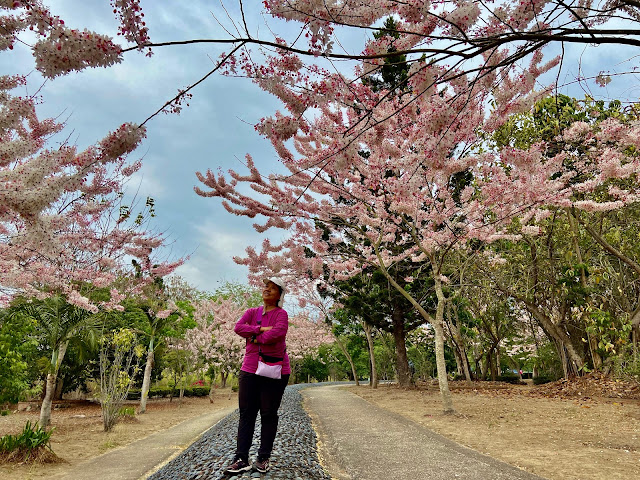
[271,392]
[248,405]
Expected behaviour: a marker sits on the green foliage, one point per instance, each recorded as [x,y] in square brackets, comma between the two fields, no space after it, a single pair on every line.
[18,350]
[627,363]
[4,413]
[612,334]
[384,353]
[127,412]
[570,281]
[30,440]
[249,296]
[509,377]
[394,73]
[542,379]
[548,362]
[421,353]
[314,368]
[551,116]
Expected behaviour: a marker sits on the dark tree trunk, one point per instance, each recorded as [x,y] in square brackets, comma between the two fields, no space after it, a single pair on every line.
[57,394]
[402,361]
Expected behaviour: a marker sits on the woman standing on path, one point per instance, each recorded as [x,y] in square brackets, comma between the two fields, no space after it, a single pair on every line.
[265,329]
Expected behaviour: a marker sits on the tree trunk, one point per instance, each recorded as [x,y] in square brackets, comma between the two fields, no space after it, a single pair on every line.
[565,347]
[438,326]
[212,390]
[57,395]
[146,381]
[56,361]
[45,409]
[372,358]
[224,375]
[443,382]
[635,328]
[343,349]
[402,361]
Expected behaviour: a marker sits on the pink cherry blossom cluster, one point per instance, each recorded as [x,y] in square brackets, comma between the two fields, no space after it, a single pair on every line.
[132,24]
[66,50]
[60,49]
[59,228]
[305,335]
[369,180]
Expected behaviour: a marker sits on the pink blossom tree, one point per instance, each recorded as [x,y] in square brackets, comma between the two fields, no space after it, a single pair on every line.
[214,338]
[62,222]
[305,335]
[407,177]
[387,191]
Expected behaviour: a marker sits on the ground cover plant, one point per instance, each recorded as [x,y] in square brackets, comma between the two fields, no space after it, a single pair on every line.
[33,444]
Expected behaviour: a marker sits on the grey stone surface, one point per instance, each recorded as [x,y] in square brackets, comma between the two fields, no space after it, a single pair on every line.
[294,451]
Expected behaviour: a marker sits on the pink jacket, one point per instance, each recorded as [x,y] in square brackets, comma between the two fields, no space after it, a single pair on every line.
[271,343]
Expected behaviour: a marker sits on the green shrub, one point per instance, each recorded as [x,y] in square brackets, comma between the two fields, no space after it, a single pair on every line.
[160,392]
[234,388]
[32,439]
[627,363]
[164,392]
[4,413]
[199,391]
[127,412]
[510,378]
[541,379]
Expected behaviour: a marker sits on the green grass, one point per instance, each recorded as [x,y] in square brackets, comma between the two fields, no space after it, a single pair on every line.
[128,412]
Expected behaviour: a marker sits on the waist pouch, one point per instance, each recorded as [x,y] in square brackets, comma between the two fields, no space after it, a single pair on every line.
[272,369]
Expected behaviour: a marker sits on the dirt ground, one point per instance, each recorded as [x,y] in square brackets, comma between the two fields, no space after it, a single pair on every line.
[582,430]
[79,432]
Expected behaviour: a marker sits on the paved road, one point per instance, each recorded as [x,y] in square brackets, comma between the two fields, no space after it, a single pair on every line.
[359,441]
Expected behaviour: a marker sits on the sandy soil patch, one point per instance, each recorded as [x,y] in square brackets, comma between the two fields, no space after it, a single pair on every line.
[79,433]
[544,430]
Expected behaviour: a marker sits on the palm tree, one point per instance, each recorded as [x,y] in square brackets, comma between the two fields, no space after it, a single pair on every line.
[58,323]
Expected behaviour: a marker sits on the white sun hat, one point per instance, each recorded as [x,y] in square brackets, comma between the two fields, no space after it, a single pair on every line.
[280,283]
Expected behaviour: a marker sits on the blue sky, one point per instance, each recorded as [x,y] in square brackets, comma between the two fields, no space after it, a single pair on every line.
[215,131]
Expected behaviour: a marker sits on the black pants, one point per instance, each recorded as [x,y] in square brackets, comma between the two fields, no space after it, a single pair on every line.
[258,394]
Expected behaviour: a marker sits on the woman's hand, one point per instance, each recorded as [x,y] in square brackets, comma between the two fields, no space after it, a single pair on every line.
[265,329]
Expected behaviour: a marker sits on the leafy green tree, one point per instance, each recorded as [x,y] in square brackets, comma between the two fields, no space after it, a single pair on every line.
[565,288]
[18,349]
[313,367]
[57,324]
